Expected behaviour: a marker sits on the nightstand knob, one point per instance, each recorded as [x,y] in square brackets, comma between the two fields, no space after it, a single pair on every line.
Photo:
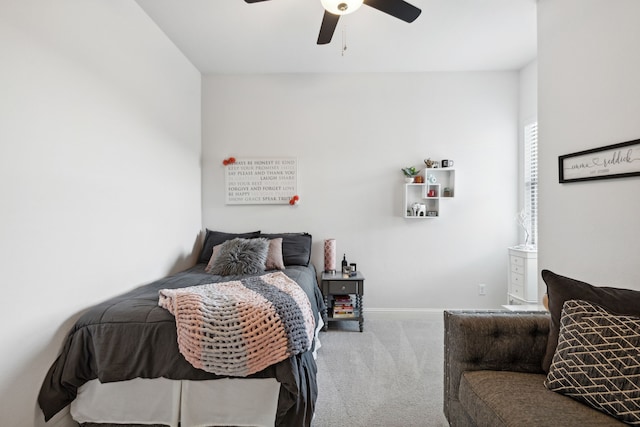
[344,287]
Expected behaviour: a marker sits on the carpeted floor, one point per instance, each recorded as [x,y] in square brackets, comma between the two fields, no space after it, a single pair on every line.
[390,375]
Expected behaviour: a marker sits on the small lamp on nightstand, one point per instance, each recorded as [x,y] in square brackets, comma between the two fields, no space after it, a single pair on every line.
[330,255]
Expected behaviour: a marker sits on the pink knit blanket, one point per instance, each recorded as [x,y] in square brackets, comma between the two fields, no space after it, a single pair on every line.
[240,327]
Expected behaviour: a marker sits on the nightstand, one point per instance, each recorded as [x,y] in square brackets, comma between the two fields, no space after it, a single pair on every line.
[343,297]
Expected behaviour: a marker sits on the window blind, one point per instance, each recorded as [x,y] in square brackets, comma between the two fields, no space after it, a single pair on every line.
[531,180]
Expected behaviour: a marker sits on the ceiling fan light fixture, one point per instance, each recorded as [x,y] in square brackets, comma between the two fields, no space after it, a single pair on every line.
[341,7]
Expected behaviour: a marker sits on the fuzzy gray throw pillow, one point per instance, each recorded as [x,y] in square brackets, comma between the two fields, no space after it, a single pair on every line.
[241,256]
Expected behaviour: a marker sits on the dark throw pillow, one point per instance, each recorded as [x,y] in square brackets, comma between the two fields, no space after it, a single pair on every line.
[213,238]
[597,361]
[561,289]
[296,247]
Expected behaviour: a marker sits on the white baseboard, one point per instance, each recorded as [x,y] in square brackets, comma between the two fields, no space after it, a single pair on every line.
[403,310]
[402,313]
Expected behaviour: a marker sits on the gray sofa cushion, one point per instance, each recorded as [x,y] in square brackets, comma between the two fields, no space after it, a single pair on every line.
[489,340]
[493,373]
[505,398]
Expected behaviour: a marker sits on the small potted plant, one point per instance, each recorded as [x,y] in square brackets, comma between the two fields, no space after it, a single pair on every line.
[409,173]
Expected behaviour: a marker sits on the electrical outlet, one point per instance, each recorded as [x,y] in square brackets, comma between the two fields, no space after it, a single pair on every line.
[482,289]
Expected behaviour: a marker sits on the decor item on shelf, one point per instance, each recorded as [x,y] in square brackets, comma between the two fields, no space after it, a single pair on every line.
[330,255]
[345,264]
[333,9]
[418,209]
[431,163]
[446,192]
[418,179]
[432,213]
[525,222]
[409,173]
[431,179]
[447,163]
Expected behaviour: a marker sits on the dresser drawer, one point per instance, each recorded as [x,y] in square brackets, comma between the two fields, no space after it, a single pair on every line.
[516,260]
[517,268]
[342,287]
[517,279]
[517,291]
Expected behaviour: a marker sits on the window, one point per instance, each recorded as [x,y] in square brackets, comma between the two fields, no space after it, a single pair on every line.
[531,182]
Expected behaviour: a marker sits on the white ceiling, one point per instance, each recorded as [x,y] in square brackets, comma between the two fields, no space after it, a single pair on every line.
[279,36]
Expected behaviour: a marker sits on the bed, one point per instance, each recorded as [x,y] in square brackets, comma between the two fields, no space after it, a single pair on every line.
[121,362]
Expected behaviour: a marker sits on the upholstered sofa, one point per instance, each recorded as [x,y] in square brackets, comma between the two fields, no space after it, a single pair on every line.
[493,373]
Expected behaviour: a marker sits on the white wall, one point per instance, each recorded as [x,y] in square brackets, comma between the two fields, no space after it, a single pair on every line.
[351,134]
[99,173]
[589,96]
[528,95]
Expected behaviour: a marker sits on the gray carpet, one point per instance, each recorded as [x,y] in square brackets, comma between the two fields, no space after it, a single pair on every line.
[389,375]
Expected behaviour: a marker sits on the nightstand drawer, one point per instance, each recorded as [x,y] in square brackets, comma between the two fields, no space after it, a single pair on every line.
[341,287]
[517,268]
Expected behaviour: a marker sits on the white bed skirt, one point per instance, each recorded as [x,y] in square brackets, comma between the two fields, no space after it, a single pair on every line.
[230,401]
[224,402]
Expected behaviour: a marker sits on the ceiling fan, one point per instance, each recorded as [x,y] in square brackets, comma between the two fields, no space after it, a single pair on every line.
[334,8]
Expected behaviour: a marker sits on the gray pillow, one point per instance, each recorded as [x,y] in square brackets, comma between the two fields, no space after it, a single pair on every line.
[241,256]
[214,238]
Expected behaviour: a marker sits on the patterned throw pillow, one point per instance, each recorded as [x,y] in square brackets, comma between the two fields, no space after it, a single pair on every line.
[597,360]
[561,289]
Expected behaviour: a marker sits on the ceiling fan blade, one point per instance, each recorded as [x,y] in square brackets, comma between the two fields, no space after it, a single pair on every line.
[398,8]
[329,23]
[253,1]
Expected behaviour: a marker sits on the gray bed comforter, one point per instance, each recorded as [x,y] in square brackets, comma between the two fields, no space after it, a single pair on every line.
[131,336]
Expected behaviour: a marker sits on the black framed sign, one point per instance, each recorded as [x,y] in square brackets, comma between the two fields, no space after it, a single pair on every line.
[611,161]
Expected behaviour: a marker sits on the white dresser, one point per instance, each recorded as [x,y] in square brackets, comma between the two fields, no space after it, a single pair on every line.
[523,276]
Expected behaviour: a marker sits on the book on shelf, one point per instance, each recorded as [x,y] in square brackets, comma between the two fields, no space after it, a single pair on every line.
[345,314]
